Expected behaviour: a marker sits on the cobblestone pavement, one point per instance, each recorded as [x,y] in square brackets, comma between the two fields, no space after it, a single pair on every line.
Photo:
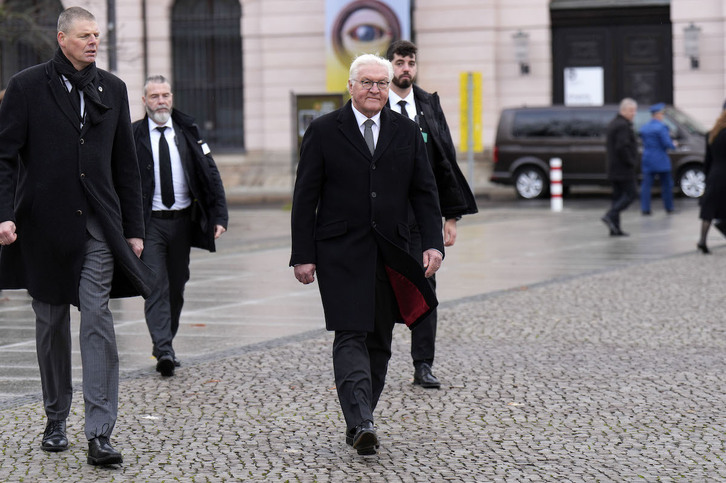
[614,374]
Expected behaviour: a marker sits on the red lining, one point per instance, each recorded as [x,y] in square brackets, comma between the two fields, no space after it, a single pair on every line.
[411,302]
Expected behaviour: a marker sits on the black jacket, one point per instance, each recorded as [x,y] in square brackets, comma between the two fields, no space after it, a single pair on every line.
[209,204]
[455,196]
[65,173]
[622,149]
[349,207]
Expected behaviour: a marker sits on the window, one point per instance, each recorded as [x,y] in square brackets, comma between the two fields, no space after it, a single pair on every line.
[207,65]
[27,34]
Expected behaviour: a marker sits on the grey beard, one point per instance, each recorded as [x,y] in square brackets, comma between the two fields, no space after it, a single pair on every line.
[159,117]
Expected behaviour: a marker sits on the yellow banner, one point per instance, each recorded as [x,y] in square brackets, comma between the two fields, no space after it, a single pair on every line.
[471,122]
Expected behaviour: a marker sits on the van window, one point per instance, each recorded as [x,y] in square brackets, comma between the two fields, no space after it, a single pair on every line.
[579,123]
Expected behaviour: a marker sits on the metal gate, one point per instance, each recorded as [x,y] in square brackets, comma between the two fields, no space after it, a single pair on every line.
[207,64]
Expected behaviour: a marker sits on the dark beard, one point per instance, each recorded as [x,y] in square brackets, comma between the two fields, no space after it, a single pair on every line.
[402,83]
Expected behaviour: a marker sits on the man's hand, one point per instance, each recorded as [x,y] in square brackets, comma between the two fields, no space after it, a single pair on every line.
[7,233]
[218,230]
[431,261]
[136,244]
[305,273]
[450,232]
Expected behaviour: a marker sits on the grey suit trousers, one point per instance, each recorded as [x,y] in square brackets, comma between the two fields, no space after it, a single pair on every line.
[99,354]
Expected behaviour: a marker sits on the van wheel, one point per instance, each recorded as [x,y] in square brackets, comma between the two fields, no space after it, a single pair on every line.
[530,183]
[692,181]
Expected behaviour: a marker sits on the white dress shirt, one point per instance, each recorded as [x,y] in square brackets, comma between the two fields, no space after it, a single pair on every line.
[181,189]
[410,103]
[376,127]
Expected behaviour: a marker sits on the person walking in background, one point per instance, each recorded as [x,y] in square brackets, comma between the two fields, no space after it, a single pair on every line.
[622,156]
[656,162]
[713,201]
[360,169]
[455,196]
[184,207]
[72,225]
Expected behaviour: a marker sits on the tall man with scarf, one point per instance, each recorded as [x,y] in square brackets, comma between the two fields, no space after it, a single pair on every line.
[71,222]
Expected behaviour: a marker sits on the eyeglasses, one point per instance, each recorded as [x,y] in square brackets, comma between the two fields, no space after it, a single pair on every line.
[368,84]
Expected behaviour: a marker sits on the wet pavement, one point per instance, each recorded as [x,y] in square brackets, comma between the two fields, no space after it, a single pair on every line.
[566,355]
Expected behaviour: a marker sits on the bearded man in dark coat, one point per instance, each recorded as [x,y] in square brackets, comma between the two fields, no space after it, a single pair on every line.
[360,168]
[71,222]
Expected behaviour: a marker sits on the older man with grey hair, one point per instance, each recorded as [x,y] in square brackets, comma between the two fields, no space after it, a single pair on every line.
[622,156]
[350,226]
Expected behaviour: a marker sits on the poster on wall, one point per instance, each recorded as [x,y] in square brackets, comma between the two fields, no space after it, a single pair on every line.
[361,27]
[584,86]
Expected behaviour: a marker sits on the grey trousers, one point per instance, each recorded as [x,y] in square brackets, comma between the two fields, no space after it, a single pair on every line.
[99,354]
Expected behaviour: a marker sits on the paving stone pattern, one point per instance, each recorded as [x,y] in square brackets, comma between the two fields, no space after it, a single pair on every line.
[612,376]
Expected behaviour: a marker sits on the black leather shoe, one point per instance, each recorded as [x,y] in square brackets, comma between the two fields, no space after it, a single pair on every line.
[618,232]
[54,437]
[610,224]
[100,452]
[363,438]
[165,365]
[703,247]
[423,377]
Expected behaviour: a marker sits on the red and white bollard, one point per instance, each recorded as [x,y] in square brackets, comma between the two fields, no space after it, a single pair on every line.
[556,184]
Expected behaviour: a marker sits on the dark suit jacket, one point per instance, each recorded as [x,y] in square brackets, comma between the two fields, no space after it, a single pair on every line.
[455,196]
[66,173]
[622,149]
[209,204]
[350,207]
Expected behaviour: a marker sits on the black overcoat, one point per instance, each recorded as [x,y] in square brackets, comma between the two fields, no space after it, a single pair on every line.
[63,172]
[622,149]
[209,204]
[713,201]
[350,206]
[455,196]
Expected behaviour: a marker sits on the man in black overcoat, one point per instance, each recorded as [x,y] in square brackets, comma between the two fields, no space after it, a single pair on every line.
[360,168]
[71,224]
[455,196]
[622,155]
[185,209]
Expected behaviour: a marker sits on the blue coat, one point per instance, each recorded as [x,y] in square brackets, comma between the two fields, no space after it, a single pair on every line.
[656,143]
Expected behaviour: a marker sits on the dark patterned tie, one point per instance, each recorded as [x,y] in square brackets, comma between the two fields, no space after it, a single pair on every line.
[368,135]
[403,103]
[167,184]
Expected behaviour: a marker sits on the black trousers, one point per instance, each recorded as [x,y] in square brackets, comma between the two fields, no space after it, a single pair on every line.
[624,192]
[166,251]
[360,359]
[423,336]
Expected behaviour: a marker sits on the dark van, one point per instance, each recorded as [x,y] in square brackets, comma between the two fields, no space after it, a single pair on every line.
[528,137]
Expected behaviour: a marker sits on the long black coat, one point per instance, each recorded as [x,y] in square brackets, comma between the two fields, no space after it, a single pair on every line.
[63,173]
[209,205]
[349,206]
[713,202]
[622,149]
[455,196]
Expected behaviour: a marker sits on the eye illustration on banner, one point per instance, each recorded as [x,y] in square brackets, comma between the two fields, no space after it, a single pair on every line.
[364,26]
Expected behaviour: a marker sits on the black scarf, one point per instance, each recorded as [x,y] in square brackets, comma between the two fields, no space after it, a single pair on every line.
[83,80]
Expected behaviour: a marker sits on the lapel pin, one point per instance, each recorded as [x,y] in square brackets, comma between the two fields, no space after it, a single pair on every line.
[100,89]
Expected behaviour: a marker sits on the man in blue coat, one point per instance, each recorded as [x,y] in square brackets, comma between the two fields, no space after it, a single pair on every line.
[656,162]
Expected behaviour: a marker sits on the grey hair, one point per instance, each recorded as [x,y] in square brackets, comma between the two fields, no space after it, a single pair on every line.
[369,59]
[627,102]
[69,16]
[155,79]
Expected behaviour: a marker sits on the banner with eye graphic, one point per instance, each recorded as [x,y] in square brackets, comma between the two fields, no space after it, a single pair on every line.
[361,27]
